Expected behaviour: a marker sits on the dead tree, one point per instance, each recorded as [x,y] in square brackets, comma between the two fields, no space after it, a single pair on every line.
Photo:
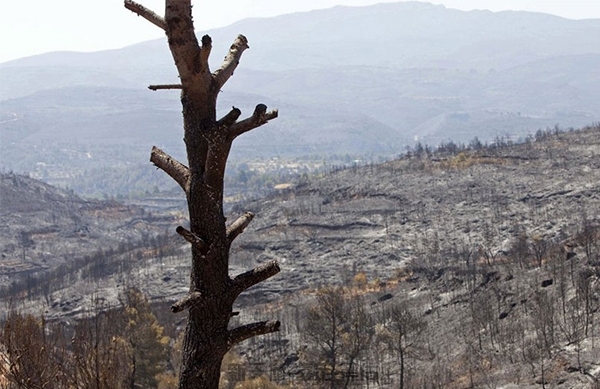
[208,142]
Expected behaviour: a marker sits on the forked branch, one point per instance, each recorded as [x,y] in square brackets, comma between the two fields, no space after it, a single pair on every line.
[255,276]
[258,118]
[234,230]
[242,333]
[178,171]
[146,13]
[231,61]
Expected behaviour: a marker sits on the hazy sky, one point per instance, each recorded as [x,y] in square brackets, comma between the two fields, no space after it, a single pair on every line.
[29,27]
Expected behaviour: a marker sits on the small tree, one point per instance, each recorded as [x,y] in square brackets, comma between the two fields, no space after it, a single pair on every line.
[338,330]
[30,353]
[145,338]
[323,331]
[208,141]
[403,333]
[99,356]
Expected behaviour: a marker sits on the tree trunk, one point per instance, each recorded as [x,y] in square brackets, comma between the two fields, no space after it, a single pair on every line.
[401,362]
[208,142]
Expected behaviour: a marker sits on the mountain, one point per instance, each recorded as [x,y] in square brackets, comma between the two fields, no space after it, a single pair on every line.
[347,80]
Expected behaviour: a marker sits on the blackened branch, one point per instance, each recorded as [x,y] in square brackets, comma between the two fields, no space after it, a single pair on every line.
[247,331]
[192,238]
[205,52]
[165,86]
[230,118]
[231,61]
[187,302]
[255,276]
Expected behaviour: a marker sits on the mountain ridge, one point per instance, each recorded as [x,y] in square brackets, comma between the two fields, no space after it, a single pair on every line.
[348,80]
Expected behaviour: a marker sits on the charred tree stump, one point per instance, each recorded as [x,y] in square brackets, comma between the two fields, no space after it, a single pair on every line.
[208,141]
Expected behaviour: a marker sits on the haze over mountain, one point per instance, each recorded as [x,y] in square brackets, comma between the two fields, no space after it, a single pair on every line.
[354,80]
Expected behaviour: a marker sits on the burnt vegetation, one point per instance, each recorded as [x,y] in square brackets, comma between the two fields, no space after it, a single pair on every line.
[462,266]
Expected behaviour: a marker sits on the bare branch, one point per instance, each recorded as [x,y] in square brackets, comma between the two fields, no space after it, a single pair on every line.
[258,118]
[242,333]
[239,226]
[205,52]
[231,61]
[194,239]
[230,118]
[187,302]
[166,86]
[178,171]
[146,13]
[250,278]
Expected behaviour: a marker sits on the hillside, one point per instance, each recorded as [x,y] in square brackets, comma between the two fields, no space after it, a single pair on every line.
[48,230]
[339,87]
[495,248]
[377,218]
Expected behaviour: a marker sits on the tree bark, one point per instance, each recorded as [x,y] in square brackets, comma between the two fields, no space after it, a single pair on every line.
[208,142]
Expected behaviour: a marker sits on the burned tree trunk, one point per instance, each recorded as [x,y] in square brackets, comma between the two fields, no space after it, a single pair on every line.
[208,142]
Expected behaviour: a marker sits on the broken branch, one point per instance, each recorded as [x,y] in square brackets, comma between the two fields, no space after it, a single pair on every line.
[187,302]
[247,331]
[239,226]
[258,118]
[257,275]
[231,61]
[205,52]
[178,171]
[192,238]
[166,86]
[146,13]
[230,118]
